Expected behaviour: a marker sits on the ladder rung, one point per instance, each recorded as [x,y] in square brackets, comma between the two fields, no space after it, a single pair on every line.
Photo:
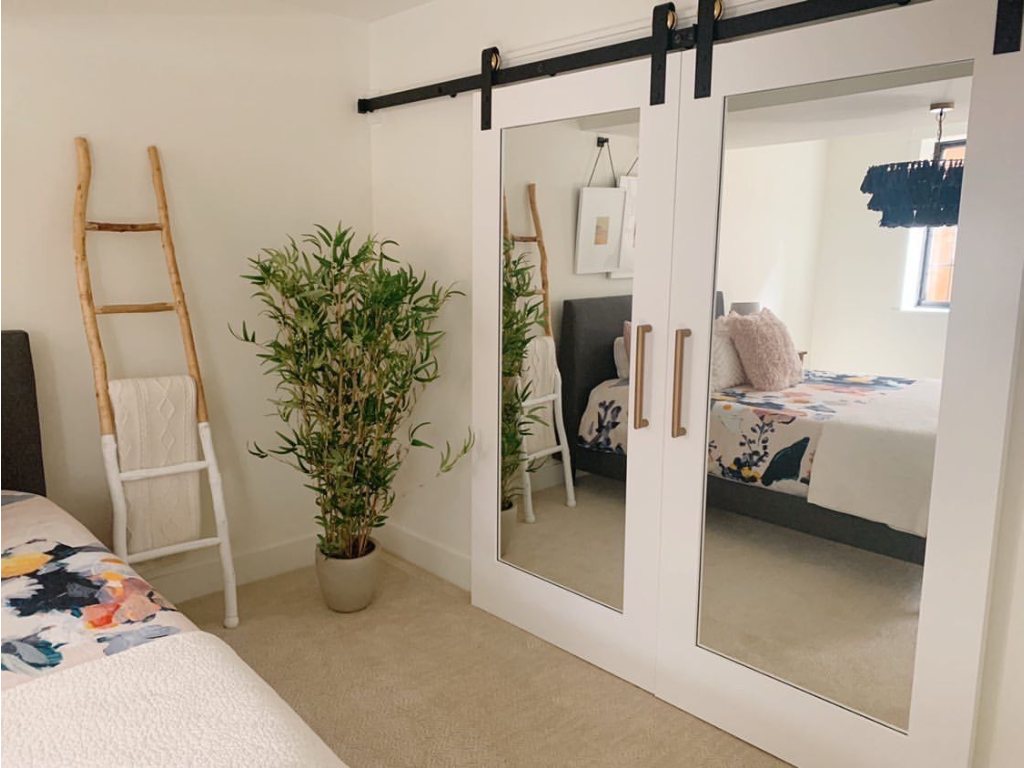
[173,549]
[118,309]
[540,400]
[524,238]
[109,226]
[545,452]
[173,469]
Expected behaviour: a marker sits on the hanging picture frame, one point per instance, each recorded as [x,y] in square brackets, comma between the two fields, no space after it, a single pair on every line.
[599,229]
[627,245]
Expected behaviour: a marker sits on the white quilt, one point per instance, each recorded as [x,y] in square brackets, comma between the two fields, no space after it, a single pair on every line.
[876,461]
[185,700]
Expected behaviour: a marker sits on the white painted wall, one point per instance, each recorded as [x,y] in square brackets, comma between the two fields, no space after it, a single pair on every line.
[797,236]
[421,172]
[770,220]
[255,119]
[559,157]
[859,325]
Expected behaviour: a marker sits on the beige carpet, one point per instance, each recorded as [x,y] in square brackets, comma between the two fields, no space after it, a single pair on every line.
[421,678]
[836,620]
[833,619]
[581,547]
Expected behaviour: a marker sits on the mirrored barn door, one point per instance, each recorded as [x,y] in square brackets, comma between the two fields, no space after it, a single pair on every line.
[830,484]
[573,223]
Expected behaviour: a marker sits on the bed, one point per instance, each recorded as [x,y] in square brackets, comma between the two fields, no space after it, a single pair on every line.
[97,667]
[817,457]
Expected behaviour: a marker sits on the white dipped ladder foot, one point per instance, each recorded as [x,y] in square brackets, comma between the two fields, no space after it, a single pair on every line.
[108,437]
[555,398]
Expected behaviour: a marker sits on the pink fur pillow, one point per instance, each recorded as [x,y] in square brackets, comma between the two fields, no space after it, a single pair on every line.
[766,350]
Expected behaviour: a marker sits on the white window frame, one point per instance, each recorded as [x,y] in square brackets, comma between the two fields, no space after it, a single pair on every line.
[917,244]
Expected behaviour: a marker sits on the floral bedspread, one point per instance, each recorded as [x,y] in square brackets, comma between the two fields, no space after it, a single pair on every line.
[762,438]
[66,598]
[604,425]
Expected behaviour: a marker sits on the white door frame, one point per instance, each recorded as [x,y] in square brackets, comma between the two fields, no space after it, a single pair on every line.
[621,642]
[975,405]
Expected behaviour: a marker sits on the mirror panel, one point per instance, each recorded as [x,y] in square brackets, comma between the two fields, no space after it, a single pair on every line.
[566,303]
[827,354]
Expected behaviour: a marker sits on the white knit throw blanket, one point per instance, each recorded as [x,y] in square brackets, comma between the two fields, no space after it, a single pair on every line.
[155,420]
[539,370]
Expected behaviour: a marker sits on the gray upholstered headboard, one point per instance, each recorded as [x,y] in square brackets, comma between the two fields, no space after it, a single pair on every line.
[22,446]
[589,328]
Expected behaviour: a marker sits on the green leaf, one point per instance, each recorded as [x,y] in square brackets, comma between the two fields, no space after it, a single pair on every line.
[351,342]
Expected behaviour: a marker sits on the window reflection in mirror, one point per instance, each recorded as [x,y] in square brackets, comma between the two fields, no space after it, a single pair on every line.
[827,355]
[570,190]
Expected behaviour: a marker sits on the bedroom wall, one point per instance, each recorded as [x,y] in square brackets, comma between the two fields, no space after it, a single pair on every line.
[859,325]
[253,110]
[770,219]
[559,157]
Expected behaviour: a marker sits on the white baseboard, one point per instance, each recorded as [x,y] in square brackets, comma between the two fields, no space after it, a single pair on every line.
[428,554]
[190,578]
[184,578]
[547,476]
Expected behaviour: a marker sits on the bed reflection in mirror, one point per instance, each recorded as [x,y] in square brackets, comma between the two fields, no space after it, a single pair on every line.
[833,285]
[568,257]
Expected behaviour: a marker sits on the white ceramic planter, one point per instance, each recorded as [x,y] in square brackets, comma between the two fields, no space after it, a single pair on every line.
[348,585]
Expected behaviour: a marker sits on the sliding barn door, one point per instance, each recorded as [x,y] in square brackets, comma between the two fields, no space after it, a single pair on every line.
[828,526]
[565,542]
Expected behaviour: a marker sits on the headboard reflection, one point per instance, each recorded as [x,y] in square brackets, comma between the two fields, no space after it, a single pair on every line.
[589,328]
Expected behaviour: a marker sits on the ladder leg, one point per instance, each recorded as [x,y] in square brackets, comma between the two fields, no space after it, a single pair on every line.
[184,323]
[113,469]
[188,341]
[570,489]
[221,518]
[92,330]
[538,231]
[528,516]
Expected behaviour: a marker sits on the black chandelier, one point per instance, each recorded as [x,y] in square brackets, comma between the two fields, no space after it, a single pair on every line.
[919,193]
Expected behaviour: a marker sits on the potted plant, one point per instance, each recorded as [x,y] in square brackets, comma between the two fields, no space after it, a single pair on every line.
[352,346]
[521,315]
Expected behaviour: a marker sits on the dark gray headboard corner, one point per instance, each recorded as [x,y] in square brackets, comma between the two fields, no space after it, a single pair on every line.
[585,359]
[22,468]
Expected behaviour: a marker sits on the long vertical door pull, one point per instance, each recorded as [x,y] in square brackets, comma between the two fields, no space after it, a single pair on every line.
[678,430]
[639,420]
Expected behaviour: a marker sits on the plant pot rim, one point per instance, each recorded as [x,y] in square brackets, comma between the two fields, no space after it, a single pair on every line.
[374,547]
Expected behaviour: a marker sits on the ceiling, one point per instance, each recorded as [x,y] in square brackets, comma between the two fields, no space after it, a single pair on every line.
[364,10]
[892,102]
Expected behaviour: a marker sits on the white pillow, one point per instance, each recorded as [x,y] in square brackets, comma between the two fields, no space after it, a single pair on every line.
[769,356]
[726,368]
[621,358]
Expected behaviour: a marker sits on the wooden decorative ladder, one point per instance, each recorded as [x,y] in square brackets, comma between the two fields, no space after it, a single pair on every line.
[555,397]
[116,478]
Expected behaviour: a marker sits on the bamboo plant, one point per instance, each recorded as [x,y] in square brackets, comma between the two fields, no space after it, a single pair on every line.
[353,344]
[522,314]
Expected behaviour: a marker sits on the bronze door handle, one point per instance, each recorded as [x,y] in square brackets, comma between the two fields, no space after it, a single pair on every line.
[639,420]
[678,430]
